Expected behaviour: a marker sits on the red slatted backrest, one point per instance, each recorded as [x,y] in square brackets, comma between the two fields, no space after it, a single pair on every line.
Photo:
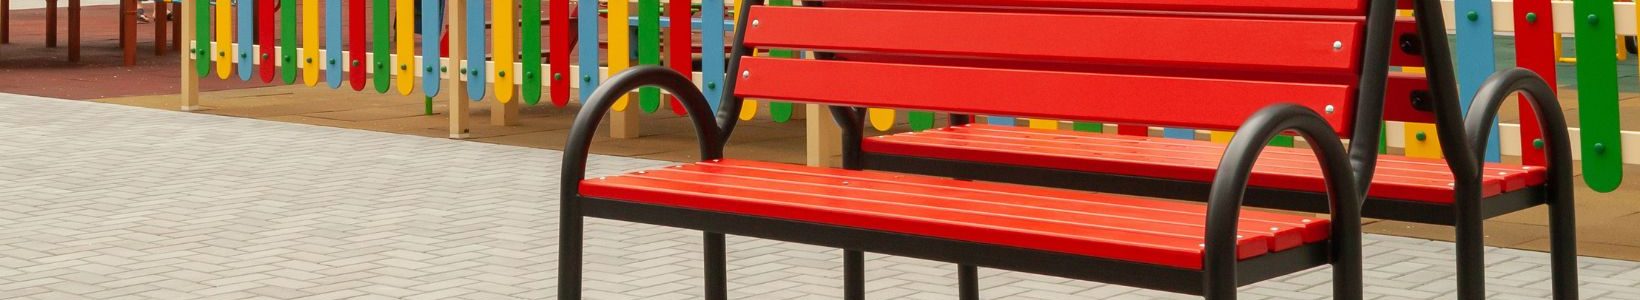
[1159,62]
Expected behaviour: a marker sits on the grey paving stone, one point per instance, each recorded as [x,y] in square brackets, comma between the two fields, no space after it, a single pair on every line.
[111,202]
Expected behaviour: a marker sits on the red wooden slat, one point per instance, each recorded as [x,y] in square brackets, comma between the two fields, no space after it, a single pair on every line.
[1166,101]
[1136,39]
[1158,165]
[1301,166]
[1328,7]
[1407,180]
[1107,217]
[1405,30]
[1514,176]
[1398,93]
[703,189]
[1314,229]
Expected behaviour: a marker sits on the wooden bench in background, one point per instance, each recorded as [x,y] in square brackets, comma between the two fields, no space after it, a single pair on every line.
[1398,188]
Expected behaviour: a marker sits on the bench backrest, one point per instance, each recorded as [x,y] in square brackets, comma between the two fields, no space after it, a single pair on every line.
[1183,63]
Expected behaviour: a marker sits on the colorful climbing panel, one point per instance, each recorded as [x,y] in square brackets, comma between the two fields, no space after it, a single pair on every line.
[1476,59]
[381,44]
[711,51]
[1597,95]
[333,43]
[246,38]
[649,49]
[588,23]
[356,70]
[404,61]
[1534,50]
[265,40]
[504,54]
[287,41]
[432,27]
[476,51]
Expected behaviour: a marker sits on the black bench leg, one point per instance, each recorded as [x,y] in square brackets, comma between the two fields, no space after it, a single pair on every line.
[717,285]
[854,275]
[569,256]
[1471,260]
[967,282]
[1563,249]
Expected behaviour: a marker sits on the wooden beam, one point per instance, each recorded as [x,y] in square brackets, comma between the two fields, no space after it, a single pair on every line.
[159,26]
[823,136]
[128,31]
[51,23]
[504,114]
[457,91]
[74,30]
[190,77]
[5,21]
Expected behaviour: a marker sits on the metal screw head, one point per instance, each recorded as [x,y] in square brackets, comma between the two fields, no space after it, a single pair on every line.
[746,74]
[1338,45]
[1329,109]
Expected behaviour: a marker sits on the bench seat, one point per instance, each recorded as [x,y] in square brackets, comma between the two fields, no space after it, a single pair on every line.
[1159,232]
[1398,177]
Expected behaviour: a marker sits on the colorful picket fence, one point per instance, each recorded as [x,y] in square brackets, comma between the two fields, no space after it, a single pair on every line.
[471,48]
[360,43]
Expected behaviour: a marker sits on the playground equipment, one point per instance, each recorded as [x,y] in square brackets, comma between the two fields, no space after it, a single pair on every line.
[376,50]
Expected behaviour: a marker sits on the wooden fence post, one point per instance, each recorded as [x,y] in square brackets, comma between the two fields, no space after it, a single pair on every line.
[190,77]
[457,90]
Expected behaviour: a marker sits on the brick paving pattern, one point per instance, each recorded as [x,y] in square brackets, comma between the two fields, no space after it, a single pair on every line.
[102,201]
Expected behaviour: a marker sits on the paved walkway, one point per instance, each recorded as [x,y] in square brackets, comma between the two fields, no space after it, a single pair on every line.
[104,201]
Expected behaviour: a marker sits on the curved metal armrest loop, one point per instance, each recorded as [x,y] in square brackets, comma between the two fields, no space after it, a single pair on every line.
[1230,184]
[1556,137]
[596,105]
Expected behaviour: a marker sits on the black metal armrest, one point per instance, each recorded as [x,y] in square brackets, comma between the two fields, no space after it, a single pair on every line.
[1230,183]
[596,105]
[1556,138]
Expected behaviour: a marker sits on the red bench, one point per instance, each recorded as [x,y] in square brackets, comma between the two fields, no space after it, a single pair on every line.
[1317,68]
[1398,188]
